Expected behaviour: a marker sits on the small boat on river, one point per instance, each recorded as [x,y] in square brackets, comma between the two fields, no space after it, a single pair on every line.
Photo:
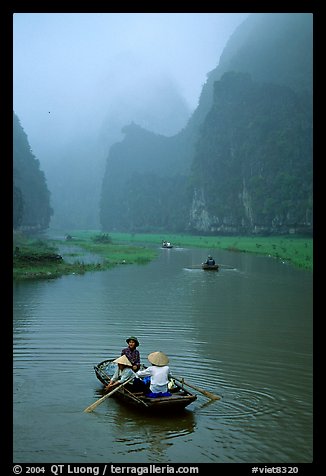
[179,399]
[166,244]
[210,267]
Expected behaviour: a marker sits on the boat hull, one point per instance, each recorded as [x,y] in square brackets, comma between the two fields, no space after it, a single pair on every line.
[210,267]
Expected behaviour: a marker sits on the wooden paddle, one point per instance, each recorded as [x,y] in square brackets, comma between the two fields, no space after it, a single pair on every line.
[134,397]
[204,392]
[101,400]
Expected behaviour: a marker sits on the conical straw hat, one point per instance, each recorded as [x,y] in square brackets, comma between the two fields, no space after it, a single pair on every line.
[158,358]
[123,360]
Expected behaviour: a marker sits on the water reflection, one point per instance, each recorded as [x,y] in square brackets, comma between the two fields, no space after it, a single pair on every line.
[149,433]
[243,333]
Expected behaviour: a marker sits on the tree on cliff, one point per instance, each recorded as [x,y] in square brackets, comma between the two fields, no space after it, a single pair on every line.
[31,197]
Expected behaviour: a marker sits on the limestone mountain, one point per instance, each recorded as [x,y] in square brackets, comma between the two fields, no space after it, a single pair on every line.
[243,163]
[31,197]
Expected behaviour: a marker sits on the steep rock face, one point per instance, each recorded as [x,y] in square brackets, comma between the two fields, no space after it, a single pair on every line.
[243,163]
[201,221]
[144,186]
[273,47]
[247,206]
[31,197]
[199,215]
[253,159]
[253,162]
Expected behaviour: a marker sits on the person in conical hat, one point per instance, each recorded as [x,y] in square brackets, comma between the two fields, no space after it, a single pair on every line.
[132,353]
[158,358]
[123,360]
[159,372]
[122,374]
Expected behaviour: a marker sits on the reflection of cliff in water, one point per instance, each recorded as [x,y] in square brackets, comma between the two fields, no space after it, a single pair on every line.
[141,431]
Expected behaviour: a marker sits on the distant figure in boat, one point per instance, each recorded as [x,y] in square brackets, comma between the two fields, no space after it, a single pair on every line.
[210,261]
[166,244]
[159,372]
[122,374]
[132,353]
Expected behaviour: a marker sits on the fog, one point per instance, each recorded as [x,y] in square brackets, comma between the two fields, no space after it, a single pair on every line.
[79,77]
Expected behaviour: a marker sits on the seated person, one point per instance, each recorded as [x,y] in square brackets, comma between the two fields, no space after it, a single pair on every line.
[210,260]
[132,353]
[159,373]
[123,373]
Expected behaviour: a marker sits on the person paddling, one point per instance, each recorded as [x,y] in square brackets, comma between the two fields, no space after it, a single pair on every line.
[210,260]
[123,373]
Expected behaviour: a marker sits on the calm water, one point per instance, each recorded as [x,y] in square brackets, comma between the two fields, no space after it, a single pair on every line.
[244,333]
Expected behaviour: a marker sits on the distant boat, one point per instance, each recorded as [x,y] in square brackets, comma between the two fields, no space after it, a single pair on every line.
[210,267]
[166,244]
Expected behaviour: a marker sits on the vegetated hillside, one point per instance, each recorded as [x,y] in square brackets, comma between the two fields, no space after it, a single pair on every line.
[243,164]
[144,184]
[252,170]
[31,197]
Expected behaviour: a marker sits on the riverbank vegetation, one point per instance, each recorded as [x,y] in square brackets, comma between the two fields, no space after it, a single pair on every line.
[42,258]
[295,250]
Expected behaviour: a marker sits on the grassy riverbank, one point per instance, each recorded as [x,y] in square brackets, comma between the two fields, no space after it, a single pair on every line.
[295,250]
[35,258]
[40,258]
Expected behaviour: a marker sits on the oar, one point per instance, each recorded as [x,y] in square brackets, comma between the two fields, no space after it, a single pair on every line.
[226,266]
[198,266]
[101,400]
[134,397]
[204,392]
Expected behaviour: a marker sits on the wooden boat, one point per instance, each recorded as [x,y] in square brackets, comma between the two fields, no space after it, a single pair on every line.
[210,267]
[179,399]
[166,244]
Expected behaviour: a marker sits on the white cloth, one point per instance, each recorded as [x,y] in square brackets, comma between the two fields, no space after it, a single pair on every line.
[123,375]
[159,377]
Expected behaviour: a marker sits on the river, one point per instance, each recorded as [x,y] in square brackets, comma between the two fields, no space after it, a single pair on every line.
[244,333]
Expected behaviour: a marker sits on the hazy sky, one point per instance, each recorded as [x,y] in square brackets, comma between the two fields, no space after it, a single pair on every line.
[70,67]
